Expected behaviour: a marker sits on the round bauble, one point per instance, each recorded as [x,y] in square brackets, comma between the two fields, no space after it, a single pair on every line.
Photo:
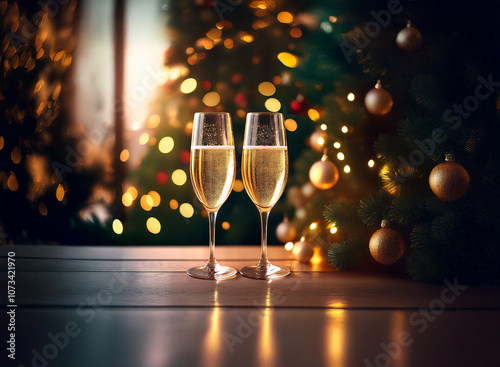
[409,38]
[378,101]
[285,231]
[449,180]
[324,174]
[300,105]
[317,140]
[302,251]
[386,245]
[295,197]
[308,190]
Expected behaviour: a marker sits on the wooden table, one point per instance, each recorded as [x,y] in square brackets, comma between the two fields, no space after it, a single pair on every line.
[137,307]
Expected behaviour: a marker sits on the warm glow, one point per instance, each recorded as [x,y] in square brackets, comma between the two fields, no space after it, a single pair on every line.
[146,202]
[238,186]
[156,198]
[2,142]
[313,114]
[127,199]
[188,85]
[153,225]
[285,17]
[313,225]
[132,191]
[333,230]
[344,129]
[323,127]
[179,177]
[124,155]
[289,246]
[340,156]
[12,183]
[241,113]
[153,121]
[247,38]
[117,226]
[347,169]
[296,32]
[186,210]
[321,140]
[214,34]
[144,138]
[228,43]
[211,99]
[42,208]
[351,97]
[288,59]
[60,192]
[226,225]
[273,105]
[173,204]
[267,89]
[371,163]
[336,145]
[166,145]
[291,124]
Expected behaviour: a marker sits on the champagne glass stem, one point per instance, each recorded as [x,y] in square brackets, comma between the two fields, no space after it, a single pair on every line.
[211,233]
[264,262]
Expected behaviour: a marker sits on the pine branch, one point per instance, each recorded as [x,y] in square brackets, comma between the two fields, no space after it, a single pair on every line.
[342,214]
[373,209]
[346,254]
[406,210]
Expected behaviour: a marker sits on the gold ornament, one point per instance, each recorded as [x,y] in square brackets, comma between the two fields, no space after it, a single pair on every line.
[317,140]
[386,244]
[302,251]
[409,38]
[378,101]
[324,174]
[449,180]
[296,197]
[285,231]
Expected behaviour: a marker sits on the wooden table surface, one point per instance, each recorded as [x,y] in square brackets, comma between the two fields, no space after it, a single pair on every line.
[137,307]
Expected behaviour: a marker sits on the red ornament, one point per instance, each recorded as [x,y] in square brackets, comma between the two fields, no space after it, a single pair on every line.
[299,105]
[184,156]
[162,178]
[236,78]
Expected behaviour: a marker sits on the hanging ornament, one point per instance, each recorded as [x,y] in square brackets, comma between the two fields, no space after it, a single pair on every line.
[300,105]
[324,174]
[378,101]
[302,251]
[386,244]
[285,231]
[308,190]
[409,38]
[449,180]
[296,197]
[317,140]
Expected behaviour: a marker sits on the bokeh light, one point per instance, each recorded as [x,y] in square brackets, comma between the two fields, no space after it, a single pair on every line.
[166,145]
[347,169]
[291,124]
[186,210]
[124,155]
[146,202]
[173,204]
[267,89]
[132,191]
[117,226]
[144,138]
[188,85]
[179,177]
[153,121]
[60,192]
[371,163]
[345,129]
[289,246]
[336,145]
[238,186]
[211,99]
[156,198]
[226,225]
[162,178]
[313,114]
[153,225]
[127,199]
[288,59]
[285,17]
[351,97]
[272,104]
[340,156]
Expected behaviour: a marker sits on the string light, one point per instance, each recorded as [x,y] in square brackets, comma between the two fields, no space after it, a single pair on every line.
[371,163]
[340,156]
[289,246]
[321,141]
[313,225]
[333,230]
[351,97]
[323,127]
[344,129]
[336,145]
[347,169]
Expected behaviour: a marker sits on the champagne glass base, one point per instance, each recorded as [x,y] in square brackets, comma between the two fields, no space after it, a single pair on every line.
[266,273]
[213,272]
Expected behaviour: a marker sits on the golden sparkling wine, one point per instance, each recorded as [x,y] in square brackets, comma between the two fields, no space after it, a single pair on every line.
[265,171]
[212,174]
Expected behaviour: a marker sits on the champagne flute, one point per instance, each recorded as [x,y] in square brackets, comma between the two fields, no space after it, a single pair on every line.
[212,175]
[264,171]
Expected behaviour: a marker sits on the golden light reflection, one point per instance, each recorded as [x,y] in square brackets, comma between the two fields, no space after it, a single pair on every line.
[335,338]
[212,343]
[267,345]
[399,322]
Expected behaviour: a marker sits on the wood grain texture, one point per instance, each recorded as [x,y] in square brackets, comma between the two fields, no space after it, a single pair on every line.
[307,289]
